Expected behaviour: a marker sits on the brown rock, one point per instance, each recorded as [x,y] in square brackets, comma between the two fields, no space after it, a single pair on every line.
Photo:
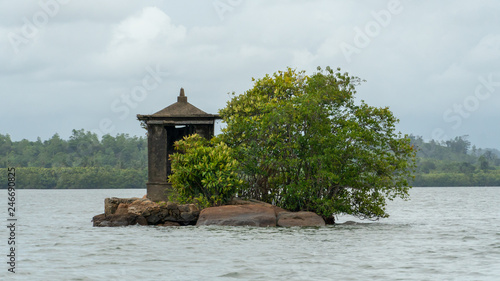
[148,209]
[239,201]
[142,220]
[173,215]
[238,215]
[143,207]
[157,216]
[278,210]
[122,209]
[289,219]
[170,223]
[171,205]
[183,208]
[111,204]
[149,212]
[117,220]
[189,213]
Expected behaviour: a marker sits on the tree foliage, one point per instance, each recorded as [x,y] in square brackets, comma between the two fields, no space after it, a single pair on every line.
[83,149]
[204,171]
[305,144]
[447,179]
[76,178]
[83,161]
[454,163]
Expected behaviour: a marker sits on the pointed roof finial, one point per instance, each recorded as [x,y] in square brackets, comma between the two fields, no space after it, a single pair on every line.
[182,97]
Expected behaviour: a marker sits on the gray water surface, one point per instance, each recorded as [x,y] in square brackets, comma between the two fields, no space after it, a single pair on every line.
[440,234]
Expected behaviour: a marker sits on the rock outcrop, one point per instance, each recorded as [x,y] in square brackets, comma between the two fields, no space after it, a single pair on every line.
[290,219]
[111,204]
[142,211]
[130,211]
[238,215]
[238,201]
[118,220]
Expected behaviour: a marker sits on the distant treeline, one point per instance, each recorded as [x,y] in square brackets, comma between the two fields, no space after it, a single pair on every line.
[458,179]
[83,161]
[455,163]
[76,178]
[83,149]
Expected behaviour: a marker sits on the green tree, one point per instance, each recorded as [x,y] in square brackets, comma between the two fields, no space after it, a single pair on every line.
[304,144]
[466,168]
[426,166]
[459,145]
[484,164]
[204,171]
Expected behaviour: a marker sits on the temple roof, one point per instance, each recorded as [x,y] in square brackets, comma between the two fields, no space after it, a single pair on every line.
[181,109]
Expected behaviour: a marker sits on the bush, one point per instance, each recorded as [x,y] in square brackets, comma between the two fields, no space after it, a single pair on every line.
[204,171]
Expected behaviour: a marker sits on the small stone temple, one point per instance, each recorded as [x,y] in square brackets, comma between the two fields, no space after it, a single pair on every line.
[164,128]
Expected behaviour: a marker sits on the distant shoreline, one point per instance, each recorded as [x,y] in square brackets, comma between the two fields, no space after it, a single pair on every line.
[113,178]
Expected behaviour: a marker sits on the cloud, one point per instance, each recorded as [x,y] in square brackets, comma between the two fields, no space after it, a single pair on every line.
[144,38]
[485,55]
[92,52]
[149,27]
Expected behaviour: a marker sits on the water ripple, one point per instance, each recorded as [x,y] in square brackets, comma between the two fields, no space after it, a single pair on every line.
[436,236]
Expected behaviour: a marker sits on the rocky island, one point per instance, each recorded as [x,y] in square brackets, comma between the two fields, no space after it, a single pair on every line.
[143,211]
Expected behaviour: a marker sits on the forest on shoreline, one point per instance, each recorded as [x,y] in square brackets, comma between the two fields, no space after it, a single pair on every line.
[455,162]
[82,162]
[86,162]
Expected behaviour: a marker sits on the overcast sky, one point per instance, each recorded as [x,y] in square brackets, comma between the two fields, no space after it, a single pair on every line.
[96,64]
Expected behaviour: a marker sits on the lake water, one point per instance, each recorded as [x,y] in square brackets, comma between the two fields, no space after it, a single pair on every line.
[440,234]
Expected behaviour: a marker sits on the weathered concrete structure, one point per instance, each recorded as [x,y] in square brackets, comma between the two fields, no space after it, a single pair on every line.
[164,128]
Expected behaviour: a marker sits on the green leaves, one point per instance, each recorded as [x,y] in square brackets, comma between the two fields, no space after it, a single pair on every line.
[204,171]
[303,143]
